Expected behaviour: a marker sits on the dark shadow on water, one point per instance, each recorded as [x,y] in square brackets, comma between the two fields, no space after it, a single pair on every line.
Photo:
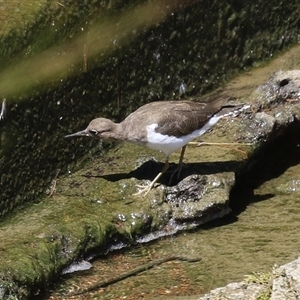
[151,168]
[271,161]
[233,215]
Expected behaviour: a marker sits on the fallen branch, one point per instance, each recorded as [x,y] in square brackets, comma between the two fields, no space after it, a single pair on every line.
[132,272]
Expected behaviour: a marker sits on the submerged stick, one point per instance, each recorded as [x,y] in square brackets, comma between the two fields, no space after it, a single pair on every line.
[132,272]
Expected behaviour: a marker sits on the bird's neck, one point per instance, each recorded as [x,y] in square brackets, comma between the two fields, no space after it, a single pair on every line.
[118,132]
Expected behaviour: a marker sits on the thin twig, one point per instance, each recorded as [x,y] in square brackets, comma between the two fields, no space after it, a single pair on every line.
[132,272]
[54,181]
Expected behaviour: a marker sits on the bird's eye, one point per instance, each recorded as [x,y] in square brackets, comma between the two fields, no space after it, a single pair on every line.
[93,132]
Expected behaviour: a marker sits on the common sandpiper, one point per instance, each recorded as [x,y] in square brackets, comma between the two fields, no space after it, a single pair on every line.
[165,126]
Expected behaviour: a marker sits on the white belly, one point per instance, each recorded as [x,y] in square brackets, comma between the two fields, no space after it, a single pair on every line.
[169,144]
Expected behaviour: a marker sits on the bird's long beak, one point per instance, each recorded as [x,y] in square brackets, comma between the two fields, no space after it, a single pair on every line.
[79,133]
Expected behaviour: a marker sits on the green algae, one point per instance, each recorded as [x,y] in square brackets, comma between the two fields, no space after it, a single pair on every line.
[19,15]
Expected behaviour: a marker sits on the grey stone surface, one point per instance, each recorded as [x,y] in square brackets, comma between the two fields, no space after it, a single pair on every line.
[283,283]
[236,291]
[286,283]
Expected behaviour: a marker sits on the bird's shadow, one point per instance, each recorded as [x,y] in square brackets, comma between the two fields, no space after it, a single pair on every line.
[151,168]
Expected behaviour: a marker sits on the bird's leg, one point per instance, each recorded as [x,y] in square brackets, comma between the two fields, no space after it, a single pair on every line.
[180,165]
[146,189]
[226,145]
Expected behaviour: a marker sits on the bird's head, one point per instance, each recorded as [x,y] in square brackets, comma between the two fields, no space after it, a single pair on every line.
[100,127]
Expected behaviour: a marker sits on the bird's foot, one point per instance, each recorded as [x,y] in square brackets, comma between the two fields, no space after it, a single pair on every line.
[144,189]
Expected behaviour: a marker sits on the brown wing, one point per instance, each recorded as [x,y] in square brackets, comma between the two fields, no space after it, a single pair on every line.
[175,118]
[186,116]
